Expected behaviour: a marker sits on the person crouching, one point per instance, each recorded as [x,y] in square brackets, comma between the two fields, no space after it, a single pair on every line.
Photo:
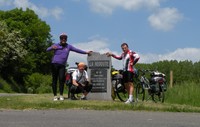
[80,82]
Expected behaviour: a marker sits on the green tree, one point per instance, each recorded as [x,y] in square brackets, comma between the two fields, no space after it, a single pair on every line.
[12,49]
[37,37]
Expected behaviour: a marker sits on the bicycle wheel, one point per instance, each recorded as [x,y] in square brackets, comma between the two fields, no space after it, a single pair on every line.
[113,90]
[148,94]
[121,92]
[140,93]
[160,96]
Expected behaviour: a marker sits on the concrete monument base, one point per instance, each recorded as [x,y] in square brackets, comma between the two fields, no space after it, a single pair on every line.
[99,71]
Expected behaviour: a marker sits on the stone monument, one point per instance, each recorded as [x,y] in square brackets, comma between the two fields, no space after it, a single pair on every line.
[99,71]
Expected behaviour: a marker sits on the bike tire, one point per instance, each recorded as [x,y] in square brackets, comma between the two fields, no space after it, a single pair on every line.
[148,94]
[140,92]
[159,97]
[121,92]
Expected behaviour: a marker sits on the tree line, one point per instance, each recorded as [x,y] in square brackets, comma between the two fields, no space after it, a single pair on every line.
[24,38]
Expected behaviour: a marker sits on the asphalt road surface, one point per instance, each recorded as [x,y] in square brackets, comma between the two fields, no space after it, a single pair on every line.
[91,118]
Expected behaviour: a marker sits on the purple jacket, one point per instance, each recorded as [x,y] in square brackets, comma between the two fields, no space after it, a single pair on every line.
[61,53]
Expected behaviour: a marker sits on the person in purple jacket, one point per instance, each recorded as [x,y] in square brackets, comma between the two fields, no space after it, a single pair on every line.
[61,53]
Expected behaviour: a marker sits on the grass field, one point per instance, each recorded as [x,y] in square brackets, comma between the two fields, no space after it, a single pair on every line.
[44,101]
[184,94]
[180,98]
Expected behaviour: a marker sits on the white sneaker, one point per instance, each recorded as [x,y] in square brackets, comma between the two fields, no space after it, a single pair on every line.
[61,98]
[128,102]
[55,98]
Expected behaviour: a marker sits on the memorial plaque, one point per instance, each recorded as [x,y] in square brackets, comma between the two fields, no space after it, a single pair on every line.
[99,68]
[99,80]
[99,64]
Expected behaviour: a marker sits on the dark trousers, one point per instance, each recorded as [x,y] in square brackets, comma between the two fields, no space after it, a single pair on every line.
[58,72]
[80,89]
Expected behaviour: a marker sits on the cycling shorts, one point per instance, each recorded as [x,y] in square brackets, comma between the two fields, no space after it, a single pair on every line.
[128,76]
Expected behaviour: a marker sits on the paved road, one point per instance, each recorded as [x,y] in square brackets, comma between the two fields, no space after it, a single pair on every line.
[90,118]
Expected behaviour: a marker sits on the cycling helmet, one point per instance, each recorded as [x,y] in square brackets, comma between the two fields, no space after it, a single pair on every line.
[63,35]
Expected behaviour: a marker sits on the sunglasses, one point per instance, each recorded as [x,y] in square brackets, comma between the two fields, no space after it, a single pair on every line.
[63,38]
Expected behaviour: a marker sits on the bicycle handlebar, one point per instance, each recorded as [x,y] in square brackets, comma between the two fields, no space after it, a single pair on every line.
[151,72]
[146,71]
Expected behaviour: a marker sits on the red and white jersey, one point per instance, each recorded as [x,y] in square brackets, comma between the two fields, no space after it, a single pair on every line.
[129,60]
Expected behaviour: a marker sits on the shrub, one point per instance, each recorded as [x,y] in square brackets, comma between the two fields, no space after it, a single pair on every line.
[38,83]
[5,87]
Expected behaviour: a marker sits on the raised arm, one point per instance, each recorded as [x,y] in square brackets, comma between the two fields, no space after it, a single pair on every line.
[52,47]
[74,49]
[114,56]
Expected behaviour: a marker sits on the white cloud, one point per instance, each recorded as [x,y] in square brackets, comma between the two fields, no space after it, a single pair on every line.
[5,2]
[108,6]
[103,6]
[56,12]
[148,58]
[165,19]
[138,4]
[183,54]
[180,54]
[101,46]
[41,11]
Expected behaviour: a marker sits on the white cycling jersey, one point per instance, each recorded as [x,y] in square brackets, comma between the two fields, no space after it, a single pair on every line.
[80,77]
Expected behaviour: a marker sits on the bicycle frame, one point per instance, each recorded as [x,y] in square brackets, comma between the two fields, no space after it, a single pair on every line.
[145,89]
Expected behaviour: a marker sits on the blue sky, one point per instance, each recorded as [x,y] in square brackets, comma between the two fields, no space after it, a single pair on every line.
[155,29]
